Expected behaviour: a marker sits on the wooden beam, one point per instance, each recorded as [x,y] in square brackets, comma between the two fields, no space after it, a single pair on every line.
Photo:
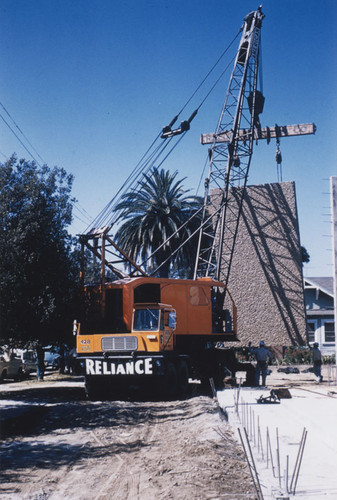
[262,133]
[108,264]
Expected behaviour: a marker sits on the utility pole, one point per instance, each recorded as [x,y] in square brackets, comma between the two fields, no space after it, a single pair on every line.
[333,192]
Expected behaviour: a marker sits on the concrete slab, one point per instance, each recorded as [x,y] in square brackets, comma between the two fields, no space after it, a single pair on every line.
[312,410]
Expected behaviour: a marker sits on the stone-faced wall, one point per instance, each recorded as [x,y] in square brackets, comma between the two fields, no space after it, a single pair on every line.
[266,275]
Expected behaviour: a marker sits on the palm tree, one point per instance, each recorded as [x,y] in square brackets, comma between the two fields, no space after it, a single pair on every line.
[153,212]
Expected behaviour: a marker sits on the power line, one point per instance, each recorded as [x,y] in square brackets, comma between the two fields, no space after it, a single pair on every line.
[18,138]
[83,213]
[84,210]
[79,218]
[21,132]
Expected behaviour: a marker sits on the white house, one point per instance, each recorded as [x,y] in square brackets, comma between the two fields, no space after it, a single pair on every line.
[319,303]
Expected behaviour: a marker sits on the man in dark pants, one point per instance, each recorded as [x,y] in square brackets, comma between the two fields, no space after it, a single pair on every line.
[262,355]
[317,361]
[40,362]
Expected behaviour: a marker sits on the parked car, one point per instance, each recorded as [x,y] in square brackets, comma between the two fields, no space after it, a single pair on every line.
[11,367]
[29,362]
[72,364]
[28,358]
[52,357]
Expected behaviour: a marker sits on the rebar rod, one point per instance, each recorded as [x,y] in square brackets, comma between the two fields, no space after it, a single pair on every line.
[248,462]
[267,439]
[300,460]
[254,466]
[259,438]
[211,381]
[287,475]
[250,422]
[236,402]
[237,397]
[254,434]
[270,450]
[278,457]
[297,460]
[251,465]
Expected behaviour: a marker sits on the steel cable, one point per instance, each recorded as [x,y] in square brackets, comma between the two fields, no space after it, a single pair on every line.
[108,216]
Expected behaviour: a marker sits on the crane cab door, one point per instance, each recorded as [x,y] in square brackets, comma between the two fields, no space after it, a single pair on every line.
[167,328]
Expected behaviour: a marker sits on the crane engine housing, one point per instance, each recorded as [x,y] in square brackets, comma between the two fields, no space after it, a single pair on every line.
[158,333]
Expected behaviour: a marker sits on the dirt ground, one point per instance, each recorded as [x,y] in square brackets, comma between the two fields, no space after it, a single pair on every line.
[75,449]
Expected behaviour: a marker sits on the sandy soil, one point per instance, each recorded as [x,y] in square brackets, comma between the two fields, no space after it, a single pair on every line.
[76,449]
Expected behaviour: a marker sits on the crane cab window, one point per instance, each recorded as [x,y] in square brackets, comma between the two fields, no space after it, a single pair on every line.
[198,296]
[172,320]
[146,320]
[146,293]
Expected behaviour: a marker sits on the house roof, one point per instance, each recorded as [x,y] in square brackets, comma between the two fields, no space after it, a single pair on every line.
[325,284]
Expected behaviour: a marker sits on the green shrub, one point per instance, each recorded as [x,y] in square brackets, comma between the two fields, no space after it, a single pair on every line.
[329,360]
[296,355]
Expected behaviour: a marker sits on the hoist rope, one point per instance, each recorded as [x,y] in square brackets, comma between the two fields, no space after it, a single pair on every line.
[101,217]
[216,82]
[202,176]
[278,158]
[208,74]
[115,215]
[108,216]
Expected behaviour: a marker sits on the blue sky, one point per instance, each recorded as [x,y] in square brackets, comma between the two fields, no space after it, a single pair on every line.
[92,82]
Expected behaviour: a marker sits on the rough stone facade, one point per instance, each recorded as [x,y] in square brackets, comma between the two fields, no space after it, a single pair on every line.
[266,279]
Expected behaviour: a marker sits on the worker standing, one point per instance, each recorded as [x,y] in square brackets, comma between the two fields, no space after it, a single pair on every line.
[40,366]
[317,362]
[262,355]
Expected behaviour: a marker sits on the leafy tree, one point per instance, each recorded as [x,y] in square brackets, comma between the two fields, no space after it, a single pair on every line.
[153,212]
[305,255]
[38,270]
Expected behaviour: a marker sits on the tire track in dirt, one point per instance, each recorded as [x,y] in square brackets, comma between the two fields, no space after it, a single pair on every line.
[126,451]
[126,483]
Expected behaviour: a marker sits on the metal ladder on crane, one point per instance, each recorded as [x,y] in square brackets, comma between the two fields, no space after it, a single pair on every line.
[230,153]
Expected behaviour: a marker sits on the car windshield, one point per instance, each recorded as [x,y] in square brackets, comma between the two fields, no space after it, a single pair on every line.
[146,319]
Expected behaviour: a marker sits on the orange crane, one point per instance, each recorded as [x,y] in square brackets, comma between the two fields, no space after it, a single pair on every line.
[142,329]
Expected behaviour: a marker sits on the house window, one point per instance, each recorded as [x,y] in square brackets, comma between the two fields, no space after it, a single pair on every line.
[311,327]
[329,331]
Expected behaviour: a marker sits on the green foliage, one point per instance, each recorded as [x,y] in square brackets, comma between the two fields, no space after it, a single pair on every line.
[305,255]
[154,212]
[329,360]
[295,355]
[38,270]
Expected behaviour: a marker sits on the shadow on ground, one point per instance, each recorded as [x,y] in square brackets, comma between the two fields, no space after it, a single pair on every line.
[41,410]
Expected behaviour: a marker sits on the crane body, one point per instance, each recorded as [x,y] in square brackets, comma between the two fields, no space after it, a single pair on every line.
[156,332]
[160,332]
